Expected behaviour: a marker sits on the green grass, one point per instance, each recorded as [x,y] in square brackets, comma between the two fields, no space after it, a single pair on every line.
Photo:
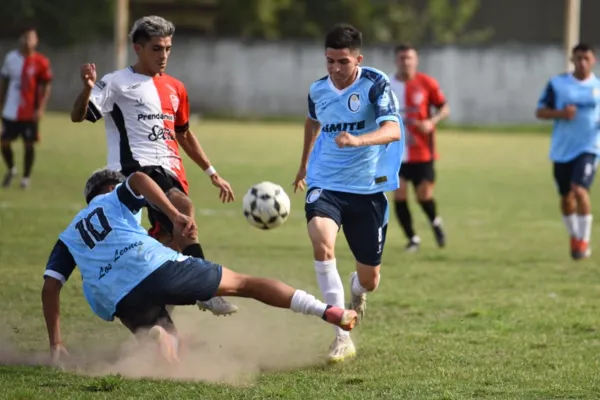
[501,313]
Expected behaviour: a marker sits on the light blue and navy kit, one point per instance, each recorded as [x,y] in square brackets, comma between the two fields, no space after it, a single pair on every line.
[348,184]
[126,273]
[575,144]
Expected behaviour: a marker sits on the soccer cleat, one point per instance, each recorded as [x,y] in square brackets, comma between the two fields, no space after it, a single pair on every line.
[341,349]
[358,303]
[9,176]
[438,231]
[345,319]
[218,306]
[413,245]
[167,343]
[25,183]
[580,249]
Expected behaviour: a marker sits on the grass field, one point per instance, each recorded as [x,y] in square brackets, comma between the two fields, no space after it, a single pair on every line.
[501,313]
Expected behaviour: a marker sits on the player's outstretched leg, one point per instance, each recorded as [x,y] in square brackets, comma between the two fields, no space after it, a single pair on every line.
[405,218]
[277,294]
[584,223]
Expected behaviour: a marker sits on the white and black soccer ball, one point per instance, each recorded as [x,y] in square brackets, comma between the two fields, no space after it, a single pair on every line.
[266,205]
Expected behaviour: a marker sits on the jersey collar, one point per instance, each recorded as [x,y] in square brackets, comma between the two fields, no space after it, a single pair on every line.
[342,91]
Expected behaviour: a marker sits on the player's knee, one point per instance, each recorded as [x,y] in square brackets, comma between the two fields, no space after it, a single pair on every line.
[181,202]
[400,194]
[368,276]
[579,192]
[29,145]
[234,284]
[323,251]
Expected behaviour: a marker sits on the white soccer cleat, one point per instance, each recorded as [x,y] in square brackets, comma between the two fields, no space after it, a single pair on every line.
[218,306]
[341,350]
[358,303]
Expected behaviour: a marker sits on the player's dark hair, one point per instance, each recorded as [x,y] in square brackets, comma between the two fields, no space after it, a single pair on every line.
[343,36]
[151,26]
[28,28]
[404,47]
[583,47]
[99,181]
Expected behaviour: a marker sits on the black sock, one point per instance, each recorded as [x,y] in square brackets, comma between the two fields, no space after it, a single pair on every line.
[430,210]
[194,250]
[405,219]
[7,155]
[29,158]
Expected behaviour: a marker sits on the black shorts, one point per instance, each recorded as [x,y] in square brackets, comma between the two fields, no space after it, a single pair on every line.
[166,181]
[174,283]
[418,172]
[363,218]
[28,130]
[580,171]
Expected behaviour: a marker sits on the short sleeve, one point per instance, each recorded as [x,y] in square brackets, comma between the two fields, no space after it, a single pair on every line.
[61,263]
[436,95]
[182,114]
[312,114]
[129,199]
[384,101]
[101,100]
[548,97]
[45,72]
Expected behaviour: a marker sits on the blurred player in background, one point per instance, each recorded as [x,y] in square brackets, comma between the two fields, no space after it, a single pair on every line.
[354,125]
[572,101]
[147,118]
[418,94]
[144,277]
[25,81]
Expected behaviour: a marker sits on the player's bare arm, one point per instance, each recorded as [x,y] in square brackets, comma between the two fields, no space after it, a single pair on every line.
[3,91]
[192,148]
[388,132]
[311,130]
[45,89]
[88,76]
[51,306]
[549,113]
[142,184]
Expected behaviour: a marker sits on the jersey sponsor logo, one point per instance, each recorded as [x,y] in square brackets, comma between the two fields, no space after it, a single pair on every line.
[101,84]
[151,117]
[344,127]
[104,270]
[120,253]
[160,133]
[135,86]
[139,103]
[313,195]
[354,102]
[417,98]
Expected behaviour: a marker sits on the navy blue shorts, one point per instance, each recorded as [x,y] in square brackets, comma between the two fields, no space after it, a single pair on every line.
[580,171]
[363,218]
[173,283]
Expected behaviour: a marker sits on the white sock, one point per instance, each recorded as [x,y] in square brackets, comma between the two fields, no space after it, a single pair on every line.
[585,227]
[307,304]
[571,225]
[331,286]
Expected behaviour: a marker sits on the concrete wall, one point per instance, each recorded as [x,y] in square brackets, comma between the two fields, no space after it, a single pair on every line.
[494,85]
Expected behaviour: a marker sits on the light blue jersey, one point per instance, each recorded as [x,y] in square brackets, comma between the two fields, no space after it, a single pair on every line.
[358,109]
[580,135]
[113,251]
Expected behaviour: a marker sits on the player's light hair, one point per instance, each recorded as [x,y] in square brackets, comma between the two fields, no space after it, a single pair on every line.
[150,26]
[98,181]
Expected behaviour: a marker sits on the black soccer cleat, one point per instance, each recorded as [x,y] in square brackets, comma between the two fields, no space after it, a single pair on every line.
[440,236]
[8,177]
[413,245]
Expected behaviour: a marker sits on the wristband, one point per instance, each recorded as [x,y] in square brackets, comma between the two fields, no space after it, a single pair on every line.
[210,171]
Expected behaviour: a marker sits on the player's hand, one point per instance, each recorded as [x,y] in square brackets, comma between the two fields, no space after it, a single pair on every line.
[58,353]
[184,226]
[300,180]
[39,113]
[344,139]
[570,111]
[225,190]
[88,75]
[424,126]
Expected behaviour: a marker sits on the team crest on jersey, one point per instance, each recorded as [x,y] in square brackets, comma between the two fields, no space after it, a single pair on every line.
[174,102]
[354,102]
[31,70]
[417,98]
[313,196]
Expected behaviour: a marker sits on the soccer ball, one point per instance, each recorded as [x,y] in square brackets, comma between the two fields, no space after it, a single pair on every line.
[266,205]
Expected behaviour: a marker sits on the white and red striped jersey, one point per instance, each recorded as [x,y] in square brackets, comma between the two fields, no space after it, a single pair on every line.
[25,74]
[142,115]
